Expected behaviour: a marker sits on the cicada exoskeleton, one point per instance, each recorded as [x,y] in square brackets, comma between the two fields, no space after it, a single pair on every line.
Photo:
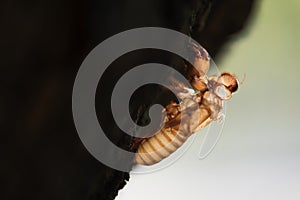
[199,106]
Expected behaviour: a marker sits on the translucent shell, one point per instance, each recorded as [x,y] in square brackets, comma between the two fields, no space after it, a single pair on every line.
[193,113]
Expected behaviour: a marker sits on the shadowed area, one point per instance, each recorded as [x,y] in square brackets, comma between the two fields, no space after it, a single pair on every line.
[42,46]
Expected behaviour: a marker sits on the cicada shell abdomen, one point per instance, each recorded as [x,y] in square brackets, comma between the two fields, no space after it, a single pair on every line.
[178,127]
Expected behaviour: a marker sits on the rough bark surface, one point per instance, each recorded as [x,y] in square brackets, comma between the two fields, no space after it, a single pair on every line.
[42,46]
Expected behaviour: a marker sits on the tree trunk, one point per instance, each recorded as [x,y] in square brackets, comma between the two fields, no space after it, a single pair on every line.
[43,44]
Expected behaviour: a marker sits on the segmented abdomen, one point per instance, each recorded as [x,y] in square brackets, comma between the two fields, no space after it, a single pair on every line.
[159,146]
[167,140]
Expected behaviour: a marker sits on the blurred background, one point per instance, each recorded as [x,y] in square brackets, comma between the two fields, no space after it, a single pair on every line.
[258,155]
[43,44]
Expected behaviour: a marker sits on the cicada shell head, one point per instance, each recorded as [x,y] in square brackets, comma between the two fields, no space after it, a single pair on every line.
[230,81]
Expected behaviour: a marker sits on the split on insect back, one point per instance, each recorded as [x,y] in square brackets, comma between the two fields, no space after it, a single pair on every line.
[199,106]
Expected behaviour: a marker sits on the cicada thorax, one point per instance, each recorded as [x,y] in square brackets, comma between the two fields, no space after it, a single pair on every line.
[196,71]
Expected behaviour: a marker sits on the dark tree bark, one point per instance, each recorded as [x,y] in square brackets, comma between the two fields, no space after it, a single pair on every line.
[42,46]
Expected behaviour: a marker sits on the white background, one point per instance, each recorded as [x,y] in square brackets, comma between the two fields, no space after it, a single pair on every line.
[258,155]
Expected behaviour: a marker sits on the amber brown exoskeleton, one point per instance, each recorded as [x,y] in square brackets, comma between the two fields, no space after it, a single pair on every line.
[199,106]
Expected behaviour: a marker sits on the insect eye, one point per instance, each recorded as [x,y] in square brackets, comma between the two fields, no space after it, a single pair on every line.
[229,81]
[222,92]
